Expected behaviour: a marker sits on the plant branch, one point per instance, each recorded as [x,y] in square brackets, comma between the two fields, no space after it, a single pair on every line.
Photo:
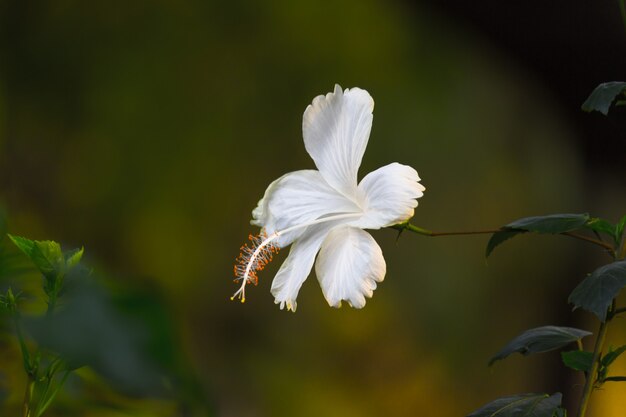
[424,232]
[27,396]
[591,376]
[47,401]
[28,365]
[605,245]
[615,379]
[618,311]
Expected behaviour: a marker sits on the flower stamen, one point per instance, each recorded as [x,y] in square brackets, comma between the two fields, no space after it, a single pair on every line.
[253,259]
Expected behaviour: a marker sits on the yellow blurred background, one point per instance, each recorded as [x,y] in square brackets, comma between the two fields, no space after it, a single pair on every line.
[147,131]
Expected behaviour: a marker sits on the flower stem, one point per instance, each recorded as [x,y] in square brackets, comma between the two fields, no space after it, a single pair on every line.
[420,231]
[595,362]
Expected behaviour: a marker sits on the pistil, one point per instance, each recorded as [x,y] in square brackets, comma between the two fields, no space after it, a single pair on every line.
[254,258]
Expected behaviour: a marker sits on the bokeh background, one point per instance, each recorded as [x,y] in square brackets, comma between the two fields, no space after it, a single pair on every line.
[146,132]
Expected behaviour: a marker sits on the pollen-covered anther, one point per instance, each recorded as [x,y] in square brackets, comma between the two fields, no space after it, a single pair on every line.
[253,258]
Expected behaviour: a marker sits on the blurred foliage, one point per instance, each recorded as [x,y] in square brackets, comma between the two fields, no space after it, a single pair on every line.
[123,333]
[147,131]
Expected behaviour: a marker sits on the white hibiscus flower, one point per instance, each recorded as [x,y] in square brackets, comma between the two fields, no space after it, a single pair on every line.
[325,211]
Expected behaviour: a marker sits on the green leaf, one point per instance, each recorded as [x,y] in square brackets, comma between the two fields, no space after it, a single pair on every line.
[603,96]
[615,379]
[619,229]
[553,223]
[46,255]
[540,339]
[25,245]
[596,292]
[500,237]
[611,355]
[578,360]
[521,405]
[73,257]
[603,226]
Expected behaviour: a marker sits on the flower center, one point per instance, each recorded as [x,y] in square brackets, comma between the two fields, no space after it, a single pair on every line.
[262,249]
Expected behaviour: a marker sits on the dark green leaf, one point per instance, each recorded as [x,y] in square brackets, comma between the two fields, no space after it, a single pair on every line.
[500,237]
[596,292]
[560,412]
[540,339]
[611,355]
[553,223]
[521,405]
[603,96]
[615,379]
[578,360]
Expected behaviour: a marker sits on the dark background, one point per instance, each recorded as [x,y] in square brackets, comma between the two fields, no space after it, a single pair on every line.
[561,44]
[147,131]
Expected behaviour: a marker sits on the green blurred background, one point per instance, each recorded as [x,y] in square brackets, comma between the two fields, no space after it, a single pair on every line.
[147,131]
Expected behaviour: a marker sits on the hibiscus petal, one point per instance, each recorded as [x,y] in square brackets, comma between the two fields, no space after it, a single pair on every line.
[349,265]
[297,198]
[336,128]
[389,196]
[297,267]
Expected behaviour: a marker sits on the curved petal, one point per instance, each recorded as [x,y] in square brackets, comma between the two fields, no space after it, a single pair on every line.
[297,267]
[389,196]
[336,128]
[349,265]
[297,198]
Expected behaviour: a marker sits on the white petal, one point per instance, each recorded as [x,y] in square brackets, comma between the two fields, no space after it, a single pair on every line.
[336,128]
[297,267]
[297,198]
[349,265]
[389,196]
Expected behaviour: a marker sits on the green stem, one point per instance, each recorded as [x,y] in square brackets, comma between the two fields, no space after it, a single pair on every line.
[420,231]
[401,227]
[47,401]
[27,396]
[591,376]
[28,365]
[52,302]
